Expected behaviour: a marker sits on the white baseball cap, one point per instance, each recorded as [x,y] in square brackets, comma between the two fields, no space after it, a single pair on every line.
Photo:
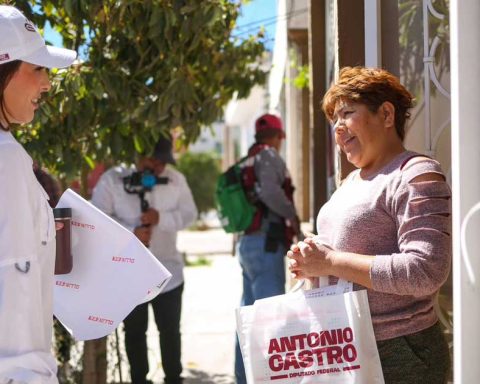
[20,40]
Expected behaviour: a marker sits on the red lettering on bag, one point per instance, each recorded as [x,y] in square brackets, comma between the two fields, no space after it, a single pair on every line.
[300,374]
[318,352]
[287,343]
[313,340]
[327,347]
[305,358]
[327,370]
[334,354]
[349,353]
[328,337]
[274,346]
[275,363]
[290,361]
[347,334]
[351,368]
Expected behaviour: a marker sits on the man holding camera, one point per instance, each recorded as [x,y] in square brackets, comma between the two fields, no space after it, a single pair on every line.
[152,200]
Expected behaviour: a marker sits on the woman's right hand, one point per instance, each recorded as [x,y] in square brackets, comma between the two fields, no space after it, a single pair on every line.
[295,249]
[309,259]
[143,233]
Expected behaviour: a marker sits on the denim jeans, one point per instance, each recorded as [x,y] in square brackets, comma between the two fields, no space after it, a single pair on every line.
[263,276]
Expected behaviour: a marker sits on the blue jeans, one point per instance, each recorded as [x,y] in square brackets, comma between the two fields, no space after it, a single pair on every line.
[263,276]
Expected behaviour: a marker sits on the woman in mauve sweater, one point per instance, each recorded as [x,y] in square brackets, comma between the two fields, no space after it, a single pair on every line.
[387,227]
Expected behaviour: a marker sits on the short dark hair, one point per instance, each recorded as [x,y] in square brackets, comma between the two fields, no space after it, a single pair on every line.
[266,134]
[7,70]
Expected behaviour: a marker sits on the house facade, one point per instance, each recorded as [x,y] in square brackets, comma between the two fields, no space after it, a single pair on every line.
[432,46]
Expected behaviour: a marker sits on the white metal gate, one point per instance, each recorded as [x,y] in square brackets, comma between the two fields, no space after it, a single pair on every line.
[465,54]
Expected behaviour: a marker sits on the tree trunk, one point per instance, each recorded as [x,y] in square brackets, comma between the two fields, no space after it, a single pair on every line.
[84,181]
[94,351]
[95,361]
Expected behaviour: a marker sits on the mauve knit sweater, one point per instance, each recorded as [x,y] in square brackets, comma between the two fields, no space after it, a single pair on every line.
[406,226]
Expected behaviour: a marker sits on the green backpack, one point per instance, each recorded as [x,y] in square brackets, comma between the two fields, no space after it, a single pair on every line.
[234,209]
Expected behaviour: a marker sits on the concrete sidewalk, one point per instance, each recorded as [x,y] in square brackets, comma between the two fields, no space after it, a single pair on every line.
[211,295]
[212,292]
[211,242]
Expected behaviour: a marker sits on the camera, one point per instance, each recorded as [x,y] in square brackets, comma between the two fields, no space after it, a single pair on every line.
[140,182]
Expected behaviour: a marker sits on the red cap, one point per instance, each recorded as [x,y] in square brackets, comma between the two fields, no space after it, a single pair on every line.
[269,121]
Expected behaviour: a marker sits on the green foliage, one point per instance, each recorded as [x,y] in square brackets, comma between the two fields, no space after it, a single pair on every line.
[146,66]
[302,78]
[412,43]
[199,261]
[201,171]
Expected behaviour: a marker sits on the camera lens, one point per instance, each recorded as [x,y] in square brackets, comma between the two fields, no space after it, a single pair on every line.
[149,180]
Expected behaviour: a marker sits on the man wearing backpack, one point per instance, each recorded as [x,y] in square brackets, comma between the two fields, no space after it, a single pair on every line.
[263,245]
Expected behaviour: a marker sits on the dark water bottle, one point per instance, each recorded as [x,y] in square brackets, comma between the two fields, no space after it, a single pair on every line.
[63,258]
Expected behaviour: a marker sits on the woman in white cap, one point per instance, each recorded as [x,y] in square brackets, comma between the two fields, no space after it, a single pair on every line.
[27,230]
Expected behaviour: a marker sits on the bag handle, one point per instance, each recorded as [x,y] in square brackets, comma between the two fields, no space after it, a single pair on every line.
[342,286]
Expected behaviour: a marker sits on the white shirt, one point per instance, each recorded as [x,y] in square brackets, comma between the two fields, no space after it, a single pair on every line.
[27,234]
[173,201]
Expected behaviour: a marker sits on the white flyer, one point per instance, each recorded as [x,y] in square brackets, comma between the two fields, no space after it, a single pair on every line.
[112,272]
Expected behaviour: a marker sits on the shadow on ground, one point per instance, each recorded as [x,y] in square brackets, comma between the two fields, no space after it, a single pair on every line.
[195,376]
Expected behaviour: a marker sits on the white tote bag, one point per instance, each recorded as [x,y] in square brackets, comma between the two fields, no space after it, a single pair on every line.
[322,335]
